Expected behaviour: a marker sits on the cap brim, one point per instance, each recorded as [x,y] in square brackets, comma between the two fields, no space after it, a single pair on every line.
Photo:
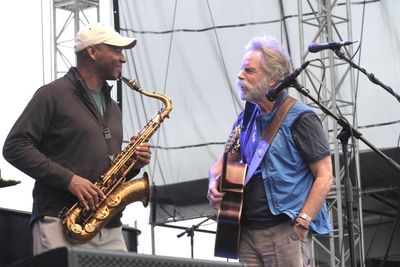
[124,42]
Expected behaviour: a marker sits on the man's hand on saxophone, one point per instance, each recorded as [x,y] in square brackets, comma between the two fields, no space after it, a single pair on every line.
[142,155]
[89,194]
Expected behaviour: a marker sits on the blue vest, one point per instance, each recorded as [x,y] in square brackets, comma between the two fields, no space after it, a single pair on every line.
[287,178]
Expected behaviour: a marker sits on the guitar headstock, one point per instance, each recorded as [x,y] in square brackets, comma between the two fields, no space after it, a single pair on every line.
[232,144]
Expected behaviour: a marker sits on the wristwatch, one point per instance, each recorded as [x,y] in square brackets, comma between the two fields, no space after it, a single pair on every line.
[304,216]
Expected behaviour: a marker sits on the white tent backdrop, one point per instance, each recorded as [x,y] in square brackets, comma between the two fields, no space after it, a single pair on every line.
[191,51]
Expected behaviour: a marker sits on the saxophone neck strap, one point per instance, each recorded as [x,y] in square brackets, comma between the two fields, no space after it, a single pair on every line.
[268,136]
[107,137]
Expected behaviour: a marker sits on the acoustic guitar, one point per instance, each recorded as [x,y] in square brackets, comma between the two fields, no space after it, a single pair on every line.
[228,218]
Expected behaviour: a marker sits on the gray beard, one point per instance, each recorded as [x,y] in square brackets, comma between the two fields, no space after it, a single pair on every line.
[252,92]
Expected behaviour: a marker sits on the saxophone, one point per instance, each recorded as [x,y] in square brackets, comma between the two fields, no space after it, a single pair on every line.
[79,225]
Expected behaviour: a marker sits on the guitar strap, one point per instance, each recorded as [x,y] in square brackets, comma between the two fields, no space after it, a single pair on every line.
[268,136]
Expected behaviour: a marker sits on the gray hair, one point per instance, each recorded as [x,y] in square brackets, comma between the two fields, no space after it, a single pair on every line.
[275,59]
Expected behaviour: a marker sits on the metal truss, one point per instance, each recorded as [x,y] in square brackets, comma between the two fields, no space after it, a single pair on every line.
[68,16]
[330,21]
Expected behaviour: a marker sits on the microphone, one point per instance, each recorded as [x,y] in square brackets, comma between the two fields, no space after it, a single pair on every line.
[285,82]
[316,47]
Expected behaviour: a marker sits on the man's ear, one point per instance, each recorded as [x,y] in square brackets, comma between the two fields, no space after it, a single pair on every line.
[272,82]
[91,52]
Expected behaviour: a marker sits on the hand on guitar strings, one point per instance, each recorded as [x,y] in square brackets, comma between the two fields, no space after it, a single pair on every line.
[214,196]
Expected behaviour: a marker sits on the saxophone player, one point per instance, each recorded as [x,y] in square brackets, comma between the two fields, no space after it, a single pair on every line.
[66,136]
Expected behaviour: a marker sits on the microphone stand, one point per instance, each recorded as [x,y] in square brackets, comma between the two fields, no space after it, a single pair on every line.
[190,232]
[374,80]
[347,132]
[370,76]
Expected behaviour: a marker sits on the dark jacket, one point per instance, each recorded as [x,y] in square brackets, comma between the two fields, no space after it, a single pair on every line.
[60,133]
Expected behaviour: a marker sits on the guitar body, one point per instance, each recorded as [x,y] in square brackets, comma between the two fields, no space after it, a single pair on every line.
[229,213]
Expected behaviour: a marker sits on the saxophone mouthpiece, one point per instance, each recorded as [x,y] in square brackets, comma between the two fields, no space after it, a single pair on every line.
[126,80]
[133,84]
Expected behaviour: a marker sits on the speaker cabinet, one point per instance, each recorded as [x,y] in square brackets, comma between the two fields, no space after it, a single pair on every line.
[78,257]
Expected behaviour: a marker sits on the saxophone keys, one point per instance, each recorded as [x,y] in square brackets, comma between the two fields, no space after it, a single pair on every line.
[101,214]
[76,228]
[89,228]
[113,201]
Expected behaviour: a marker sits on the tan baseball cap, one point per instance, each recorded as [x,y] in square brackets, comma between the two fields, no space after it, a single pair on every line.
[98,33]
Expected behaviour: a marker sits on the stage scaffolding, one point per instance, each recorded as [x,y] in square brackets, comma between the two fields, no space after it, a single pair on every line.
[330,21]
[68,17]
